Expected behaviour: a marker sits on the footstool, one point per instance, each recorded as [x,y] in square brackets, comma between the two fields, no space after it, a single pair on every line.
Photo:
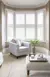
[36,66]
[1,59]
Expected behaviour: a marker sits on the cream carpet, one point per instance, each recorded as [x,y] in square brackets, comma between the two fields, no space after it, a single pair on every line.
[13,67]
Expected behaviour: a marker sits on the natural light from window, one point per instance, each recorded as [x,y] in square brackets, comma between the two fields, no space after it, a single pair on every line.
[25,26]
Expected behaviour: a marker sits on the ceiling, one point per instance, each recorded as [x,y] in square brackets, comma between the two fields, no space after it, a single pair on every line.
[25,3]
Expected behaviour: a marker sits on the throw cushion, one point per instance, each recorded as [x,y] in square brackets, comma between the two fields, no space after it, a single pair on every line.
[22,44]
[19,42]
[14,41]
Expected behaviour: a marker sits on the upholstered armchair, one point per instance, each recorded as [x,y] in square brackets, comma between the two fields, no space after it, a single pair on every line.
[17,50]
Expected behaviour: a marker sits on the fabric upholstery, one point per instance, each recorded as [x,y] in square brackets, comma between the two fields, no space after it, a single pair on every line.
[22,44]
[14,41]
[17,50]
[19,42]
[39,65]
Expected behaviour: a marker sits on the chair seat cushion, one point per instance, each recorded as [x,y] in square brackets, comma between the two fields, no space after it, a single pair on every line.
[23,47]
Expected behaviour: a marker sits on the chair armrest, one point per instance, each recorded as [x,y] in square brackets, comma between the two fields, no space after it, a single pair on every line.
[13,46]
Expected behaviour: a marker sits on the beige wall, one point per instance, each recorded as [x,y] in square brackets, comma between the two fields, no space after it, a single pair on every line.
[3,25]
[1,10]
[0,25]
[48,24]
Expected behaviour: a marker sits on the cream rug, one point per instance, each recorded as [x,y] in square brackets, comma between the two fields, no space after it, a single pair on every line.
[13,67]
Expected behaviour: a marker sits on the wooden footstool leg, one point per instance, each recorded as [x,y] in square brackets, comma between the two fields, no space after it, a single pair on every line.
[27,72]
[0,65]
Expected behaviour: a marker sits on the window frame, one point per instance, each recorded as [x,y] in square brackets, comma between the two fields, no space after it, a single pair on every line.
[38,11]
[24,25]
[8,10]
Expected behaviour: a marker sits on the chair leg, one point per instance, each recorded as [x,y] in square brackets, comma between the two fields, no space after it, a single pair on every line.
[0,65]
[17,57]
[10,53]
[27,72]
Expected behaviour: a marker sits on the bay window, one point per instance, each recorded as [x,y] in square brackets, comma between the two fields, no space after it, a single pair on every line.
[40,25]
[30,33]
[20,28]
[25,25]
[9,26]
[30,18]
[30,26]
[20,33]
[20,19]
